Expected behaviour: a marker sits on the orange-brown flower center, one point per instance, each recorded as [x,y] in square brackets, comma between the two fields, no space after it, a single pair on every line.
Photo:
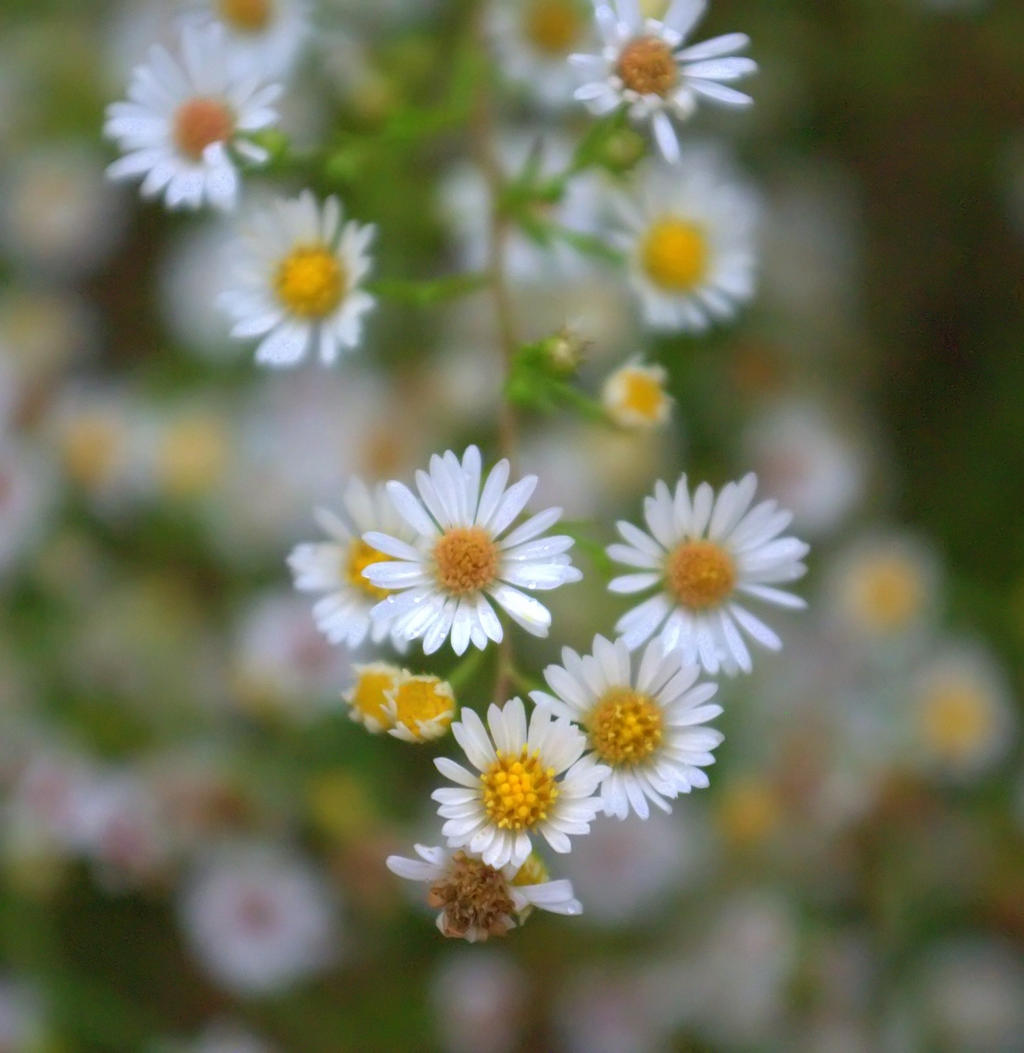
[648,67]
[200,122]
[474,899]
[248,15]
[552,26]
[700,574]
[466,560]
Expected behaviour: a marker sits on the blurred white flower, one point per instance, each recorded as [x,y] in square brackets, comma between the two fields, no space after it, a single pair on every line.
[533,40]
[282,663]
[296,284]
[707,555]
[480,1002]
[444,583]
[186,117]
[59,216]
[478,901]
[808,463]
[960,716]
[689,234]
[645,726]
[884,586]
[259,919]
[518,791]
[264,36]
[642,65]
[335,568]
[626,873]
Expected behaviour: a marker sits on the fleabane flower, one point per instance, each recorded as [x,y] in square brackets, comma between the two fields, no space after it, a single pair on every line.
[462,561]
[296,284]
[646,727]
[643,65]
[533,40]
[369,698]
[529,780]
[335,567]
[689,235]
[477,901]
[184,119]
[707,557]
[634,396]
[263,34]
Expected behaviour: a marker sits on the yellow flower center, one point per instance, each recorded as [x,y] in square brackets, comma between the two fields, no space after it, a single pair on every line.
[748,811]
[700,574]
[675,254]
[553,26]
[424,700]
[193,456]
[90,449]
[648,67]
[200,122]
[625,727]
[518,791]
[474,899]
[465,560]
[640,395]
[371,694]
[248,15]
[310,281]
[956,719]
[889,593]
[360,556]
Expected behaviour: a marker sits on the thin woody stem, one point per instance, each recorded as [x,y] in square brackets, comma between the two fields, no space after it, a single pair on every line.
[486,152]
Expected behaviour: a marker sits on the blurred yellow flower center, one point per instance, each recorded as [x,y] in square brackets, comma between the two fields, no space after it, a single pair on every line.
[956,719]
[642,394]
[248,15]
[193,456]
[518,791]
[675,254]
[648,67]
[200,122]
[553,26]
[889,593]
[310,281]
[372,692]
[360,556]
[748,810]
[473,898]
[90,449]
[653,8]
[424,700]
[700,574]
[466,560]
[625,727]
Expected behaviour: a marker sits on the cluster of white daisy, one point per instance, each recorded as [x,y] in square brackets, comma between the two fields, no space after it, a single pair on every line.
[457,560]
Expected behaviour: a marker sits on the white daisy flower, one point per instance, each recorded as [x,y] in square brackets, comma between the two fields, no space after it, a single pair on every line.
[644,727]
[446,581]
[335,567]
[690,238]
[296,285]
[263,34]
[707,556]
[478,901]
[184,118]
[644,66]
[518,792]
[533,40]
